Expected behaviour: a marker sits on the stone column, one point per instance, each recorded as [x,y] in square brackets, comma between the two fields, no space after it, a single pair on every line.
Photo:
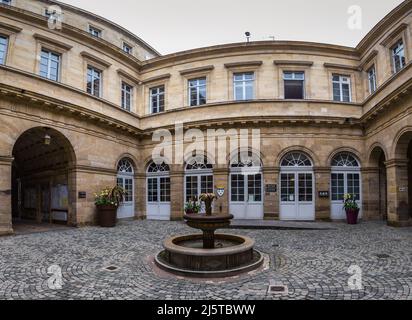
[370,193]
[5,196]
[397,178]
[322,183]
[221,179]
[177,190]
[271,204]
[140,196]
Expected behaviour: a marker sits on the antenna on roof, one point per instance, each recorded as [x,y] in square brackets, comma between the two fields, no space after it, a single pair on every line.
[248,35]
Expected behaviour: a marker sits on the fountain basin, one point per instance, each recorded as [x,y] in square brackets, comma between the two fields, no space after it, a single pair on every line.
[185,255]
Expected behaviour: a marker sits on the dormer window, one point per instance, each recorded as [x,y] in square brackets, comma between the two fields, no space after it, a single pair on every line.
[95,32]
[398,56]
[127,48]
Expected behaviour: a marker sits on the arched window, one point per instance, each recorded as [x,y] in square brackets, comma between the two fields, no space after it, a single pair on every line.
[245,160]
[345,159]
[158,168]
[125,166]
[296,159]
[198,163]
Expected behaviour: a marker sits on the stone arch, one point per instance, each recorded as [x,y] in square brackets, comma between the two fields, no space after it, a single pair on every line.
[49,154]
[308,152]
[132,160]
[376,150]
[401,143]
[234,153]
[349,150]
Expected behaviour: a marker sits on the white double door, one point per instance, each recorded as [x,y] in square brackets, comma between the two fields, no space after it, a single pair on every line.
[246,196]
[158,198]
[297,195]
[344,182]
[126,209]
[195,185]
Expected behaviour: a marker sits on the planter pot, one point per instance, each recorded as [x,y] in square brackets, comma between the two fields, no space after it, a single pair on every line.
[189,211]
[107,216]
[352,216]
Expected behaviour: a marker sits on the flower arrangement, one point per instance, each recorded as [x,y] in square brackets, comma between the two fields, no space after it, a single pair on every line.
[110,196]
[192,207]
[349,202]
[208,198]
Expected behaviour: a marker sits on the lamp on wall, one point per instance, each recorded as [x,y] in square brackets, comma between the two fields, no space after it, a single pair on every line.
[47,139]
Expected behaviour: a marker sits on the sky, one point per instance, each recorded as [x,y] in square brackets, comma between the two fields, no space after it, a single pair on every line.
[176,25]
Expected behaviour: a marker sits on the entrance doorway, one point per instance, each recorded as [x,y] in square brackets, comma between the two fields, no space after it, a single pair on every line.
[125,180]
[158,192]
[297,188]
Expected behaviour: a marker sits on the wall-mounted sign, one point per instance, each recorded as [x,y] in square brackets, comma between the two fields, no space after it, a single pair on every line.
[271,188]
[323,194]
[403,189]
[220,190]
[82,195]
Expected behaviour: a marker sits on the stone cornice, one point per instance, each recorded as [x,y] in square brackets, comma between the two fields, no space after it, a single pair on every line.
[93,59]
[128,76]
[243,64]
[6,160]
[293,63]
[197,70]
[368,59]
[162,77]
[9,29]
[340,66]
[47,40]
[396,163]
[395,33]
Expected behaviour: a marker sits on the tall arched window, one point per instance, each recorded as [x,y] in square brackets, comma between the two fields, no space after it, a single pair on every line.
[158,191]
[125,179]
[246,186]
[198,177]
[297,187]
[345,178]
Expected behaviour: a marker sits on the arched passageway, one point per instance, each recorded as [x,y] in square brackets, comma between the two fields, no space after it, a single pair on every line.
[42,180]
[379,186]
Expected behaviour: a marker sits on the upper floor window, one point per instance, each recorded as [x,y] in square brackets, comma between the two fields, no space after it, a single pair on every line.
[244,85]
[127,94]
[294,85]
[341,88]
[50,65]
[3,48]
[157,99]
[126,48]
[5,2]
[94,81]
[197,92]
[372,79]
[95,32]
[398,57]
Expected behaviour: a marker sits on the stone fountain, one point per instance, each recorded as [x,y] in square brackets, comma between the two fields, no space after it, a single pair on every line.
[208,254]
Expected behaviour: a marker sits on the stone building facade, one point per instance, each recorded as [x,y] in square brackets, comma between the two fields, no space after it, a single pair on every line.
[80,103]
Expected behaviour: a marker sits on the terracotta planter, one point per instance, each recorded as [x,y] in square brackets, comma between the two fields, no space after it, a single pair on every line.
[107,216]
[352,216]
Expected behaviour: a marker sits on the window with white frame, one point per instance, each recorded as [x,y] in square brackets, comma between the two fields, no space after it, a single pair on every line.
[158,183]
[157,99]
[398,57]
[341,88]
[94,81]
[5,2]
[95,32]
[197,92]
[294,83]
[127,96]
[3,48]
[243,86]
[127,48]
[50,65]
[372,79]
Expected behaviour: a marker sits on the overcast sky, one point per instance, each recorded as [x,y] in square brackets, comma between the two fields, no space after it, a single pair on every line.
[175,25]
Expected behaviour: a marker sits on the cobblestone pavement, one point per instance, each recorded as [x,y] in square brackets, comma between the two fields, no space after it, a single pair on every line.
[312,264]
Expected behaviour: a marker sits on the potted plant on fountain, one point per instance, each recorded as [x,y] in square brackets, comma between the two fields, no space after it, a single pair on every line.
[192,207]
[208,198]
[351,208]
[107,203]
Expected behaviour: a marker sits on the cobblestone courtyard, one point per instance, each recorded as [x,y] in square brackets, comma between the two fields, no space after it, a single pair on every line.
[312,264]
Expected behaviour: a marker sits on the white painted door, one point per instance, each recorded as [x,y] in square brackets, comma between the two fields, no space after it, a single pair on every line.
[246,196]
[297,196]
[158,198]
[341,184]
[126,209]
[195,185]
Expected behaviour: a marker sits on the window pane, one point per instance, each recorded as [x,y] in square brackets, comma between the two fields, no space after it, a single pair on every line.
[294,89]
[287,187]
